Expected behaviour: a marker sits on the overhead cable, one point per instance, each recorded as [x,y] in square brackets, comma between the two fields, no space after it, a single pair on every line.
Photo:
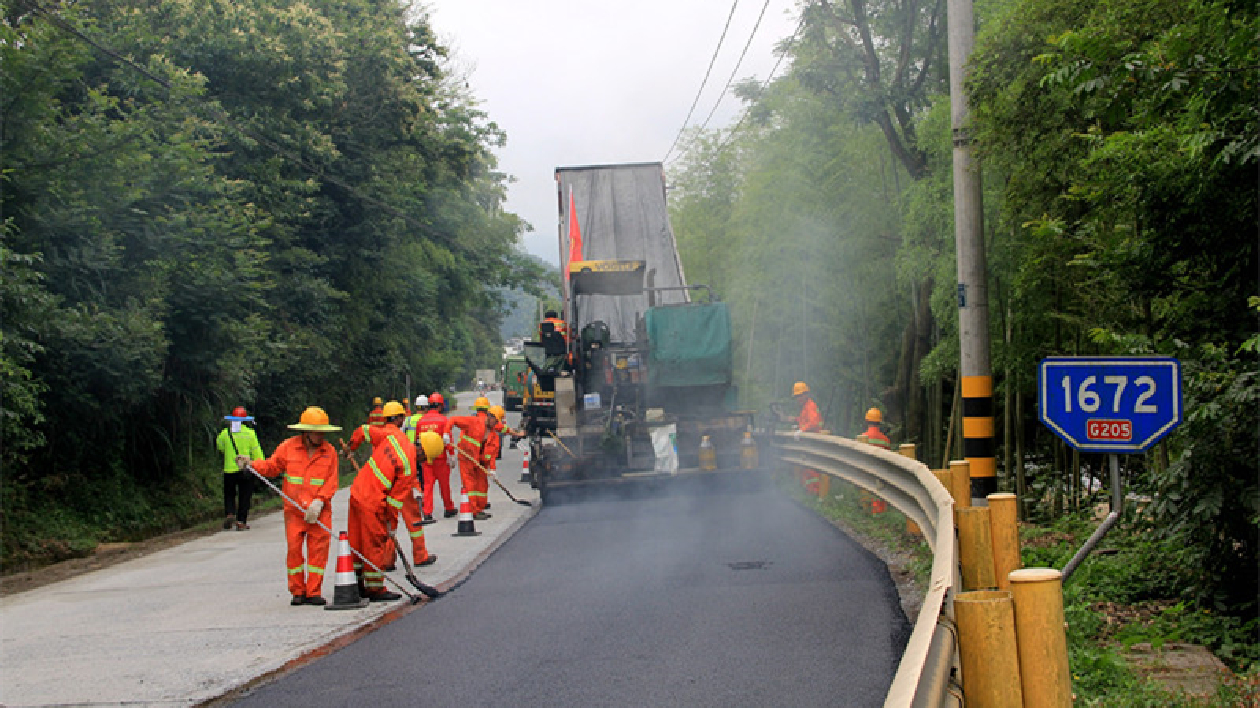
[708,71]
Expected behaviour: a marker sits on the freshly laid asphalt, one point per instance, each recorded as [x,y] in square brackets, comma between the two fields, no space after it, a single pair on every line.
[207,618]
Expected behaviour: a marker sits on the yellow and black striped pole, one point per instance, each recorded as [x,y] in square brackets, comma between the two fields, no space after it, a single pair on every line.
[978,427]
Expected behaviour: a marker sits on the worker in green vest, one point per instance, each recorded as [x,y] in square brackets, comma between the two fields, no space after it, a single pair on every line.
[238,487]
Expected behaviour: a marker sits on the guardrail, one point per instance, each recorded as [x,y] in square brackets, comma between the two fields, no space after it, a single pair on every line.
[925,676]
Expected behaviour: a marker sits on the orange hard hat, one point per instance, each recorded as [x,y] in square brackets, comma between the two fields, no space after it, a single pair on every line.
[874,416]
[314,420]
[799,387]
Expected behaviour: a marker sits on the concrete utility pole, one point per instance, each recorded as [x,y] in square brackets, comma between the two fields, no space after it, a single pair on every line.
[976,377]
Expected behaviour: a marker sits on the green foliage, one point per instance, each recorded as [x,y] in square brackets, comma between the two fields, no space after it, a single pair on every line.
[268,204]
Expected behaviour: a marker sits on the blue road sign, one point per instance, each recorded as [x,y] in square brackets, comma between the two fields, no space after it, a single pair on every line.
[1109,404]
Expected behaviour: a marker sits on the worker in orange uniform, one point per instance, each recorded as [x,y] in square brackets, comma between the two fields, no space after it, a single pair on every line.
[381,489]
[496,426]
[437,472]
[560,326]
[472,437]
[809,420]
[309,465]
[873,434]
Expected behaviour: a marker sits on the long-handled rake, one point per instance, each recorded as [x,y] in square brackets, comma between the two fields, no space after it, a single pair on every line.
[430,591]
[495,477]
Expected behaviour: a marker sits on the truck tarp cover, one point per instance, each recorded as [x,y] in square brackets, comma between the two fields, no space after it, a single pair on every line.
[622,215]
[690,345]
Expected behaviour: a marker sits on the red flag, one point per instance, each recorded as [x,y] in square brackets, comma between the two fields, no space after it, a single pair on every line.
[575,232]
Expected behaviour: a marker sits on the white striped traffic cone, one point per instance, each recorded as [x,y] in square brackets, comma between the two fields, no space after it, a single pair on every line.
[466,525]
[346,590]
[525,465]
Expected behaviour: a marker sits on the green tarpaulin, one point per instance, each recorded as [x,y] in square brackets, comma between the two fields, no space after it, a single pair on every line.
[690,345]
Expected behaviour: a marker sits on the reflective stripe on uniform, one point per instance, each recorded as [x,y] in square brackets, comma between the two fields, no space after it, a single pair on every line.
[295,571]
[380,475]
[394,502]
[293,480]
[406,462]
[476,494]
[317,482]
[418,533]
[316,569]
[472,440]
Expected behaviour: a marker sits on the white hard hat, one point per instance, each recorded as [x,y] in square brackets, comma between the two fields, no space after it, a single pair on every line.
[422,401]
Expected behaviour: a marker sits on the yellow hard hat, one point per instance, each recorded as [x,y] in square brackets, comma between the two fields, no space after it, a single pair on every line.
[392,409]
[799,387]
[432,445]
[482,403]
[314,420]
[874,416]
[497,412]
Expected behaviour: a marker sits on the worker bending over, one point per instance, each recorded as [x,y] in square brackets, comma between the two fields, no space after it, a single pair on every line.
[383,488]
[309,465]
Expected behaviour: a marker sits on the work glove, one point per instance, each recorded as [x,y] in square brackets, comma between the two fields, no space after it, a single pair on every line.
[313,511]
[242,462]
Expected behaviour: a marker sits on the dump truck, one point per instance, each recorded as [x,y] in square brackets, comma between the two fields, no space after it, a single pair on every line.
[641,362]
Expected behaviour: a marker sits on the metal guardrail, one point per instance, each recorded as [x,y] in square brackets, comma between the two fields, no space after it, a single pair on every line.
[926,674]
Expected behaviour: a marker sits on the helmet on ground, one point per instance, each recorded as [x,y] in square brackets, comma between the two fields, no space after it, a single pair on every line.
[432,444]
[392,409]
[435,399]
[422,401]
[498,412]
[874,416]
[238,415]
[314,420]
[799,387]
[482,403]
[376,401]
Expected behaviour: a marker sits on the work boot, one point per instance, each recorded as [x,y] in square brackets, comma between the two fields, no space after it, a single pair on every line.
[227,523]
[383,596]
[481,516]
[450,513]
[487,505]
[430,560]
[428,519]
[298,600]
[241,526]
[316,600]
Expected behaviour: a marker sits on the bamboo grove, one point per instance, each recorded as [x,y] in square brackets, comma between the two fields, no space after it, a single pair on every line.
[218,203]
[1120,147]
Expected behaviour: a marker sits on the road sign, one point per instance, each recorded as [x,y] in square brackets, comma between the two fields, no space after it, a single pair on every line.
[1109,404]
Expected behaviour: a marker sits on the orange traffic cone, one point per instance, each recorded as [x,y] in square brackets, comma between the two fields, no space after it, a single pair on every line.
[346,590]
[466,525]
[525,465]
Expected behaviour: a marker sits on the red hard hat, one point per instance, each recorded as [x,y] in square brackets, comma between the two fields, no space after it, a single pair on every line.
[436,399]
[239,412]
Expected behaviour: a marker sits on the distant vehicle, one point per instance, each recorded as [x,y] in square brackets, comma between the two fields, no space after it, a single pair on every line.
[514,376]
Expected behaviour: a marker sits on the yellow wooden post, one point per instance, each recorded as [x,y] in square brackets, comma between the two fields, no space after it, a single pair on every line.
[1039,630]
[960,486]
[1004,521]
[975,548]
[987,649]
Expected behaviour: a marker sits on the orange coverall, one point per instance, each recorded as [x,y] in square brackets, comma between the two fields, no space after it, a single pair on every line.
[472,437]
[876,437]
[439,470]
[809,421]
[307,477]
[382,488]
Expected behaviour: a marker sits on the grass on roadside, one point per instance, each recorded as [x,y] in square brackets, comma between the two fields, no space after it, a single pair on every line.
[1118,597]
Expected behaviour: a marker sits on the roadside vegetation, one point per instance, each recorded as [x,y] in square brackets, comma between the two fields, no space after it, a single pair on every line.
[1132,590]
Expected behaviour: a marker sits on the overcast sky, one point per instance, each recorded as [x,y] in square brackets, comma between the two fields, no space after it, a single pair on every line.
[583,82]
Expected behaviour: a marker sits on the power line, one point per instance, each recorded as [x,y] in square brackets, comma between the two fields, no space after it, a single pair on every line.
[712,59]
[743,116]
[225,119]
[731,78]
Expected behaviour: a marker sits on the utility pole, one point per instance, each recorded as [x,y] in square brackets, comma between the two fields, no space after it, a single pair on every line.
[973,296]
